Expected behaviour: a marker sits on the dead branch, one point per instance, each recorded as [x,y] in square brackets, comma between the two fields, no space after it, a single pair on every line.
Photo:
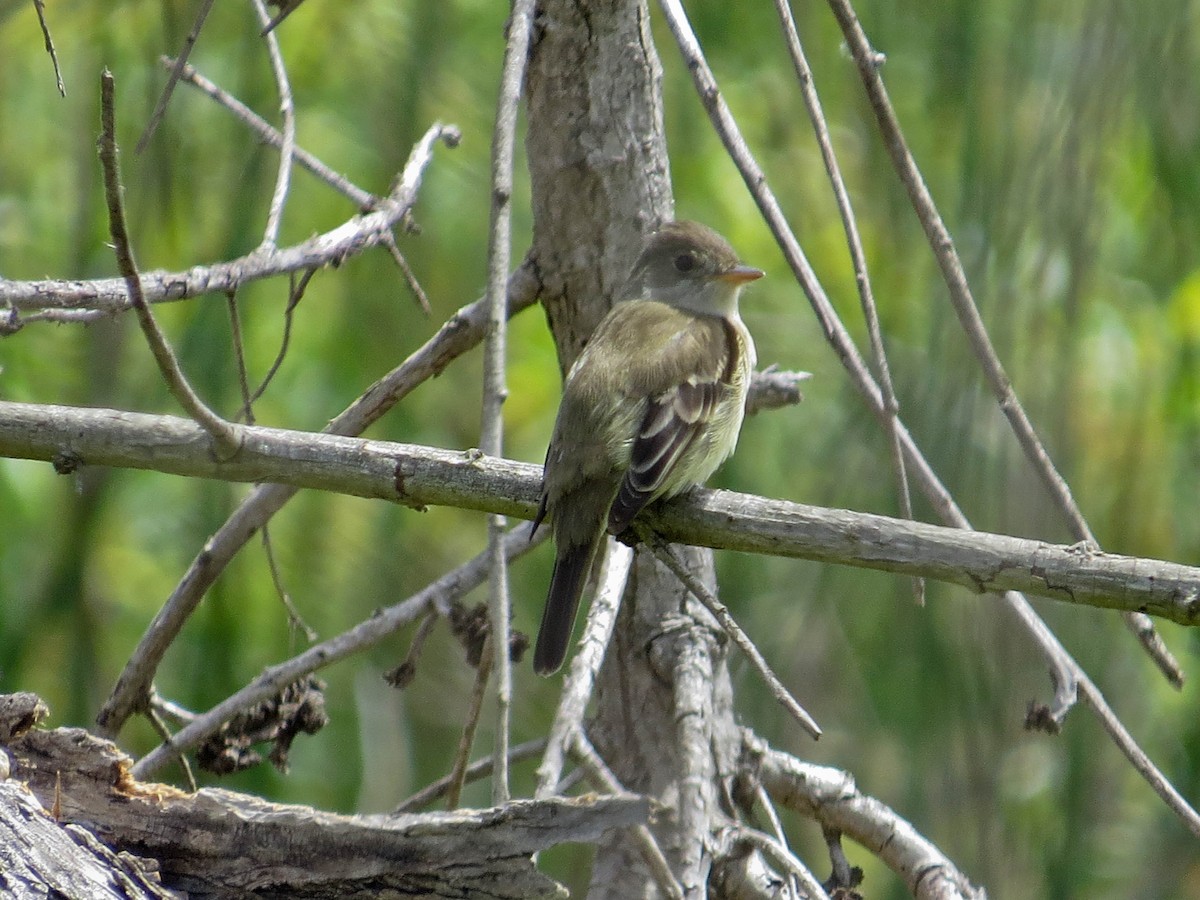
[424,476]
[220,843]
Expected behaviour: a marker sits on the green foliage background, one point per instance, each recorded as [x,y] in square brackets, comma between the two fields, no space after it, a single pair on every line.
[1062,141]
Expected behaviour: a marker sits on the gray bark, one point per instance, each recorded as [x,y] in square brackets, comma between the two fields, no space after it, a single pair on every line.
[600,182]
[218,844]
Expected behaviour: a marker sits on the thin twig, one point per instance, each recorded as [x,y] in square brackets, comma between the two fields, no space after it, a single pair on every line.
[164,735]
[40,6]
[295,295]
[481,768]
[768,807]
[165,707]
[1137,757]
[666,556]
[858,258]
[462,755]
[239,354]
[602,778]
[961,298]
[295,620]
[160,108]
[222,432]
[287,114]
[409,276]
[581,680]
[437,595]
[286,8]
[270,136]
[495,388]
[400,676]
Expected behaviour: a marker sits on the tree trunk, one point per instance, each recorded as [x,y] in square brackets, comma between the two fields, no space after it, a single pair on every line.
[600,182]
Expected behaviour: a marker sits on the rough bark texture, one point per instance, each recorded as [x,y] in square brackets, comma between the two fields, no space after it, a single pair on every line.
[600,182]
[597,156]
[221,844]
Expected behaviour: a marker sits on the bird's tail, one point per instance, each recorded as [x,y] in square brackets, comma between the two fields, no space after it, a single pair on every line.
[571,568]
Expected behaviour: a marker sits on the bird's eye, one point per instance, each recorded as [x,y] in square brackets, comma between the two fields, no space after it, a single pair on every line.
[685,262]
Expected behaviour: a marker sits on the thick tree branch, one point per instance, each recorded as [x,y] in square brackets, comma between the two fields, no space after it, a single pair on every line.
[423,476]
[220,843]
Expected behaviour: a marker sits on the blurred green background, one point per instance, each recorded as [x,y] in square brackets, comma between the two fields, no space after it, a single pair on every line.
[1062,141]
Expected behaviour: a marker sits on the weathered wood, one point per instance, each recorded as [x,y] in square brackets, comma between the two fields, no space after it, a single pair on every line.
[218,843]
[419,476]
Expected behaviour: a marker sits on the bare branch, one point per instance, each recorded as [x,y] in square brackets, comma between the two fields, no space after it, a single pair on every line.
[222,432]
[858,258]
[961,298]
[437,595]
[425,476]
[831,797]
[481,768]
[40,6]
[1137,757]
[731,628]
[87,300]
[463,331]
[603,779]
[160,108]
[287,114]
[581,680]
[495,387]
[268,135]
[462,755]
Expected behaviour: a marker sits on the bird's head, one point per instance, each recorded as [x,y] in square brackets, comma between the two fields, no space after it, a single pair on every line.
[689,265]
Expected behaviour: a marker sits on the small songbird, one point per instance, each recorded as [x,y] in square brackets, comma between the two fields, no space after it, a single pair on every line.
[651,407]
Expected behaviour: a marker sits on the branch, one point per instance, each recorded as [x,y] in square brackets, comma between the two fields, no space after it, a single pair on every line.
[830,796]
[287,115]
[946,254]
[419,476]
[222,432]
[665,555]
[271,137]
[160,108]
[40,6]
[580,682]
[460,333]
[439,595]
[250,845]
[87,300]
[495,349]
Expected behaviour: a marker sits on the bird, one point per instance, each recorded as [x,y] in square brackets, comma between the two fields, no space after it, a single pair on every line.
[650,408]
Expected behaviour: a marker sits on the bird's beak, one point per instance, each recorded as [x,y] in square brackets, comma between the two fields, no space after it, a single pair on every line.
[740,274]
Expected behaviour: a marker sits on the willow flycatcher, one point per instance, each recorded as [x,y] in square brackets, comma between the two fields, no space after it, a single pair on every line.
[651,407]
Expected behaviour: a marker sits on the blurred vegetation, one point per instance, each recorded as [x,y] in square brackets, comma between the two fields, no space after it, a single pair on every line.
[1062,141]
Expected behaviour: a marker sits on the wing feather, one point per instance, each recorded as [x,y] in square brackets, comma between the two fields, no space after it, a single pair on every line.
[673,420]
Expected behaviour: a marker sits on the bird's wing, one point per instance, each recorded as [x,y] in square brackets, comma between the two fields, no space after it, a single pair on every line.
[679,408]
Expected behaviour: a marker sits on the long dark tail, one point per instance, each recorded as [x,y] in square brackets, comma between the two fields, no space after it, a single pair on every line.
[571,569]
